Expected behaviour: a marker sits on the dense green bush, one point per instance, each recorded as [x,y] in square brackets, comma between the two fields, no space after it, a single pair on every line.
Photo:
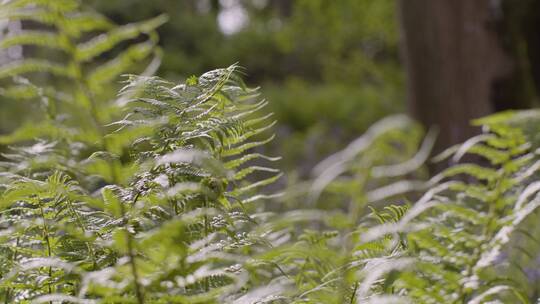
[159,195]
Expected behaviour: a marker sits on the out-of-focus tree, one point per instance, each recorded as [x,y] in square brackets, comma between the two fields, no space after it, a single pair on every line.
[466,59]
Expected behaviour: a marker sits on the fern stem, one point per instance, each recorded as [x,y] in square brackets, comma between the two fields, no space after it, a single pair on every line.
[129,240]
[115,180]
[131,254]
[82,87]
[49,250]
[353,295]
[206,229]
[13,259]
[81,224]
[133,265]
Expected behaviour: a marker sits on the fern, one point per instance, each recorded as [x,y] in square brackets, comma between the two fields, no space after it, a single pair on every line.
[152,207]
[459,232]
[78,52]
[155,195]
[320,257]
[173,164]
[456,244]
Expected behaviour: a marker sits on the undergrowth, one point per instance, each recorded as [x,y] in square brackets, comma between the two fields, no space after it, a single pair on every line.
[163,194]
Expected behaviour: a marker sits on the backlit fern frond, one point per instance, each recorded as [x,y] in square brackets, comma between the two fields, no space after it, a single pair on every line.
[320,256]
[162,211]
[459,231]
[71,53]
[46,240]
[168,167]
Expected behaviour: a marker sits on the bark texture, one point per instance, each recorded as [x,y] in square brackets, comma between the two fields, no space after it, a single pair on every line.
[455,61]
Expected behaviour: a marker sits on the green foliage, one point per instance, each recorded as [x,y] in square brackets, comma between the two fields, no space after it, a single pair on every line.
[72,53]
[330,68]
[143,198]
[155,196]
[466,238]
[159,214]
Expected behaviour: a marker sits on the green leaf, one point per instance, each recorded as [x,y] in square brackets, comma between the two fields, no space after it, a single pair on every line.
[119,65]
[32,66]
[37,38]
[104,42]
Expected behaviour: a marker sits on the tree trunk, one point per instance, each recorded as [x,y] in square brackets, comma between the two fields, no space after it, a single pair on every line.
[456,65]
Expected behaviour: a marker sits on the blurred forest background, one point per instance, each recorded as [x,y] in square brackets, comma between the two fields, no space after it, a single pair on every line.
[332,68]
